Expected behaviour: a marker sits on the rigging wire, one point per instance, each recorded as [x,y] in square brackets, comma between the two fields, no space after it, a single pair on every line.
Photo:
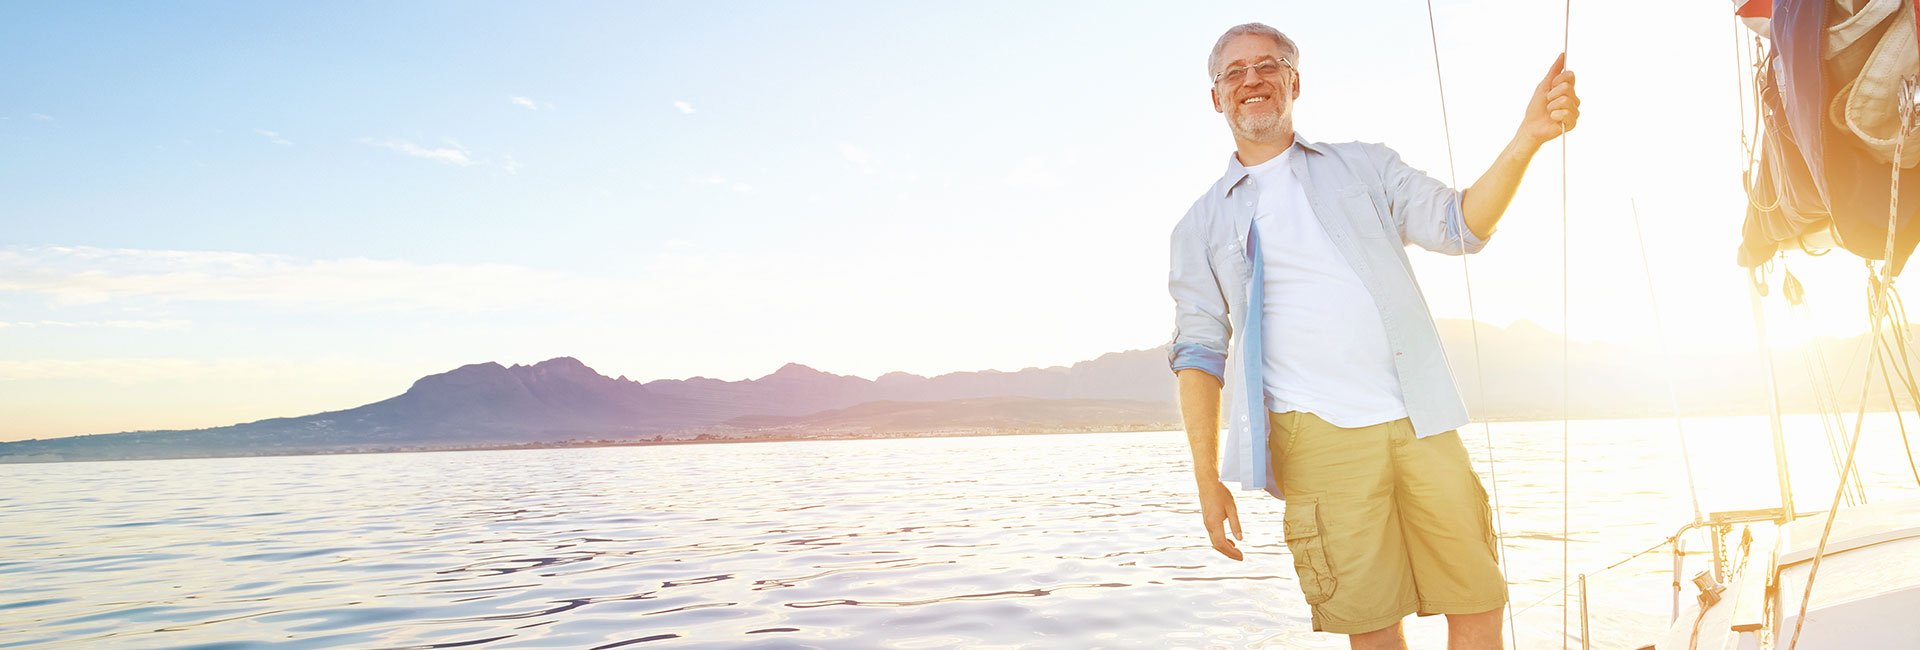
[1825,397]
[1663,544]
[1666,354]
[1893,399]
[1566,345]
[1903,364]
[1473,324]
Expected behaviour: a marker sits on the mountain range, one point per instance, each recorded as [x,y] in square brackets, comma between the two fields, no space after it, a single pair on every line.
[563,401]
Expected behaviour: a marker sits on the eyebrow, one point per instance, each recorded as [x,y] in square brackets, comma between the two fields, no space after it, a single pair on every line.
[1235,62]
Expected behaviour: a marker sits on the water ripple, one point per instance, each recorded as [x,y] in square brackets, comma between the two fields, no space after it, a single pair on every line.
[904,543]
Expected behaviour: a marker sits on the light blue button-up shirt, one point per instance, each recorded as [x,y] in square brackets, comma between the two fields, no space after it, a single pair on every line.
[1372,206]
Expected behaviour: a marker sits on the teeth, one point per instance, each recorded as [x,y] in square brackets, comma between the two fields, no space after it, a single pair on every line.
[1251,100]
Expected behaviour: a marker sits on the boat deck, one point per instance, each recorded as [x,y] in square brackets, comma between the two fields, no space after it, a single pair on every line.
[1866,595]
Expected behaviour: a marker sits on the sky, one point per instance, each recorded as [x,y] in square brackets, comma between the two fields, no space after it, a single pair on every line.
[218,212]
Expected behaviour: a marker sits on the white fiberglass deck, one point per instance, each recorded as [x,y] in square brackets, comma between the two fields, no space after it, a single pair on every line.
[1867,593]
[1865,597]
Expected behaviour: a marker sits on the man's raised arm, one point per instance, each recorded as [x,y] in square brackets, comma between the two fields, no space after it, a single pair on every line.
[1553,110]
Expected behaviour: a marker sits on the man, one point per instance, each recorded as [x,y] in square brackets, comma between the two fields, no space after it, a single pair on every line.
[1293,294]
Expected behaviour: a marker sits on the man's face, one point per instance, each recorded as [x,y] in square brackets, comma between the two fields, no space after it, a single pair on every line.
[1258,107]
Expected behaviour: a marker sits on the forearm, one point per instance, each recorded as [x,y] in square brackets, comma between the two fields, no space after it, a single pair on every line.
[1200,412]
[1483,203]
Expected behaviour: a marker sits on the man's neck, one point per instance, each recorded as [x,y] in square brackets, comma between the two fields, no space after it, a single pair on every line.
[1252,152]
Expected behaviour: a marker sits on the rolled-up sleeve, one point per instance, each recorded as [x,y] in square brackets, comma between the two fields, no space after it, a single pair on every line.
[1426,211]
[1200,327]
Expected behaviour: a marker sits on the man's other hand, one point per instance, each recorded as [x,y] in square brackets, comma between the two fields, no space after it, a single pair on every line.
[1216,504]
[1554,106]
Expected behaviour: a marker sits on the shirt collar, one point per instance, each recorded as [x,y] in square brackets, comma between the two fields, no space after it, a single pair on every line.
[1237,172]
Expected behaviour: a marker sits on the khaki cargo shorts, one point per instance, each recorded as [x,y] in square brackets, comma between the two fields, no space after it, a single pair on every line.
[1382,524]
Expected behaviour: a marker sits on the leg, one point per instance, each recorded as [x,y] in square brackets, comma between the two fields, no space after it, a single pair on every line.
[1341,525]
[1450,537]
[1479,631]
[1386,638]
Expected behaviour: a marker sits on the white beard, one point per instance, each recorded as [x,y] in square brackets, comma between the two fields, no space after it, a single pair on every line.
[1258,127]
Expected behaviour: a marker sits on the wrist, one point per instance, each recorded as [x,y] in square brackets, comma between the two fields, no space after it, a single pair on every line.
[1525,144]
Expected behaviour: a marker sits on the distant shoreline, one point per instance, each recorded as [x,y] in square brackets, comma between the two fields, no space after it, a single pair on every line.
[823,436]
[591,444]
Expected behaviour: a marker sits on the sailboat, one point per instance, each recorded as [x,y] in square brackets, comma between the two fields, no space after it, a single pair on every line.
[1832,156]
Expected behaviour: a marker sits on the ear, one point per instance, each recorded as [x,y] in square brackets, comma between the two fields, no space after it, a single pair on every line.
[1296,84]
[1215,93]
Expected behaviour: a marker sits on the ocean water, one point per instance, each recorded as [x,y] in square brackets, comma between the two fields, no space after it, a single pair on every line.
[1059,541]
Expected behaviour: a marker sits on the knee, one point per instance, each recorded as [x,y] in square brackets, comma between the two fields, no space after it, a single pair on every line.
[1491,616]
[1386,638]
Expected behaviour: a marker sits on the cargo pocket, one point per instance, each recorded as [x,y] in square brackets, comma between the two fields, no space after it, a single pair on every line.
[1304,540]
[1486,522]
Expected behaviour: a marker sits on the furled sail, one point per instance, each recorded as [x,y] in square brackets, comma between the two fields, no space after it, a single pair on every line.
[1830,89]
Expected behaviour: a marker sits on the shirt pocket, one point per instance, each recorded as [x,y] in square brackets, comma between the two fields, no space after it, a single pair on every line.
[1356,204]
[1230,265]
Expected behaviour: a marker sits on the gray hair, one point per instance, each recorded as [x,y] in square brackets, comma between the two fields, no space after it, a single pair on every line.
[1286,44]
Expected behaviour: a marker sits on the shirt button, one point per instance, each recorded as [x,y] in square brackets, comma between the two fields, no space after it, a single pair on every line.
[1249,204]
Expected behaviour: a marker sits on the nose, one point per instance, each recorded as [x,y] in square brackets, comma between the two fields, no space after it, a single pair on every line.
[1252,82]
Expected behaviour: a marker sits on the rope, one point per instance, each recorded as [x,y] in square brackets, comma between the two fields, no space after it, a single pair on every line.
[1833,510]
[1878,307]
[1748,145]
[1740,91]
[1473,324]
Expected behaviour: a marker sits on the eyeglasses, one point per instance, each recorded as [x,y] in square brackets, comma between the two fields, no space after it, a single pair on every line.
[1267,69]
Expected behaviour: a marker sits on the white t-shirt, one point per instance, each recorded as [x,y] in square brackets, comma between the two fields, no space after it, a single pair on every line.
[1326,349]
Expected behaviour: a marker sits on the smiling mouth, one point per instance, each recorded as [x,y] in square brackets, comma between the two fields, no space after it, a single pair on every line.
[1253,100]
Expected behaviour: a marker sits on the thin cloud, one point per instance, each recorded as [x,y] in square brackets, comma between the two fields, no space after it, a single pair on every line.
[716,180]
[679,243]
[274,137]
[156,370]
[43,117]
[102,324]
[529,103]
[453,154]
[82,275]
[854,154]
[109,370]
[683,106]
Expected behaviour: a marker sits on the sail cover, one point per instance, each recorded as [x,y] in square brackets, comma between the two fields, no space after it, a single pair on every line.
[1829,93]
